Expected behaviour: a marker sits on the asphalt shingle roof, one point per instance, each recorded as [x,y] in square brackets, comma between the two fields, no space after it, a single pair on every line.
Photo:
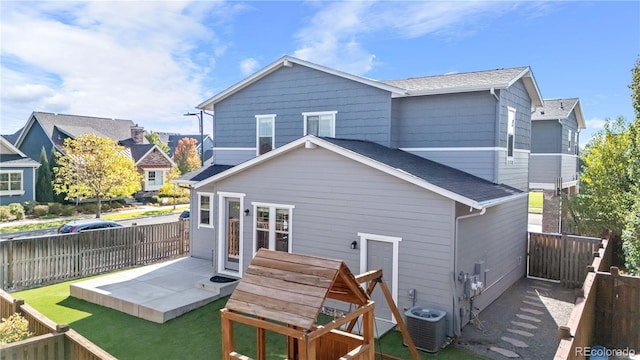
[445,177]
[555,109]
[9,159]
[79,125]
[204,172]
[489,78]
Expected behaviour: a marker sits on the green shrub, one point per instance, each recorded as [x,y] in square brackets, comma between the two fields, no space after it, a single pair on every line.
[89,208]
[15,328]
[41,210]
[5,213]
[16,210]
[28,207]
[55,208]
[68,210]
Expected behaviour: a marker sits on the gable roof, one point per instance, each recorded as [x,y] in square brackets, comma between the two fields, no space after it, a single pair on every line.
[292,288]
[559,109]
[428,85]
[430,175]
[74,126]
[12,156]
[7,148]
[289,61]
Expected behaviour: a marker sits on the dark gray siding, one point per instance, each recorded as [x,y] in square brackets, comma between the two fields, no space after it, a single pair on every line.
[335,198]
[546,136]
[363,111]
[33,142]
[515,172]
[570,123]
[544,168]
[569,167]
[476,162]
[451,120]
[29,176]
[499,238]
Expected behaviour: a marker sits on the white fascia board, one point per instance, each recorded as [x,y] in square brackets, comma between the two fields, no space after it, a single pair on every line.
[494,202]
[11,146]
[579,115]
[531,85]
[183,182]
[452,90]
[31,165]
[26,129]
[287,61]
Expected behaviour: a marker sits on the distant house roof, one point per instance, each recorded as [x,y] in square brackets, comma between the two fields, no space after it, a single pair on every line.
[559,109]
[74,126]
[138,151]
[12,138]
[441,179]
[428,85]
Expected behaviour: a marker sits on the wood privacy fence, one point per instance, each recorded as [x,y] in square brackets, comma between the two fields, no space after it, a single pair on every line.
[607,311]
[30,262]
[50,341]
[561,257]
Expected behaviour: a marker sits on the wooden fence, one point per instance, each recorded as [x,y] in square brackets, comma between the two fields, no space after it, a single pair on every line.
[561,257]
[31,262]
[50,341]
[607,311]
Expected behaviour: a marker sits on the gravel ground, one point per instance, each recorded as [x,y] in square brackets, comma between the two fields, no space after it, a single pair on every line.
[522,323]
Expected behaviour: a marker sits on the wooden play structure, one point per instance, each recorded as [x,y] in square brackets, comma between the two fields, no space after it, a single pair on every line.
[284,293]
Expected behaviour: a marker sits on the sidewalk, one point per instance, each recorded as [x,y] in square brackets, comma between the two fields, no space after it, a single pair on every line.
[90,216]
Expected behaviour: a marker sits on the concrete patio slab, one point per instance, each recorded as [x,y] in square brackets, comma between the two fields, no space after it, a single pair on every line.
[157,292]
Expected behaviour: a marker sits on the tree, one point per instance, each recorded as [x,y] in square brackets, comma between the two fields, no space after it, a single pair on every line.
[173,190]
[95,167]
[44,186]
[186,155]
[54,155]
[154,138]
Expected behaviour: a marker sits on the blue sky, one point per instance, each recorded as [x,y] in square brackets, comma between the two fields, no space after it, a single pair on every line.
[153,61]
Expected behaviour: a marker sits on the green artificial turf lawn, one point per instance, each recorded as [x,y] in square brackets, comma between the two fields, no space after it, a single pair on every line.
[535,202]
[195,335]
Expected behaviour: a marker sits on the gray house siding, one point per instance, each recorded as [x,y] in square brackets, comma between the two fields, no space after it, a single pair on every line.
[516,97]
[514,172]
[499,239]
[568,170]
[336,198]
[33,142]
[569,124]
[544,168]
[451,120]
[233,156]
[546,137]
[363,112]
[29,175]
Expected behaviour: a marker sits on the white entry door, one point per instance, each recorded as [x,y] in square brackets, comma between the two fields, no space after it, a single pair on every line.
[230,225]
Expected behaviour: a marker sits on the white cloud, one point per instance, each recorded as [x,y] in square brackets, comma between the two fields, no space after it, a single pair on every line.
[248,66]
[333,35]
[134,60]
[595,124]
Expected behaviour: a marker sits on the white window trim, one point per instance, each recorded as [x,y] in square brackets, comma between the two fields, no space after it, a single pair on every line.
[271,206]
[222,195]
[515,117]
[210,225]
[15,192]
[569,147]
[319,113]
[273,131]
[364,237]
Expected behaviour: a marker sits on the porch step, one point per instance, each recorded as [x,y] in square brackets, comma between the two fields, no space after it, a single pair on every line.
[221,289]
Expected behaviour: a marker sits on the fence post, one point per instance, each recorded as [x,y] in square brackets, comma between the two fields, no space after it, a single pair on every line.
[17,303]
[563,262]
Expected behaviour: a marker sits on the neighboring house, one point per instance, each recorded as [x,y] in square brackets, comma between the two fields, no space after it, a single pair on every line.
[17,175]
[50,130]
[173,139]
[336,165]
[554,165]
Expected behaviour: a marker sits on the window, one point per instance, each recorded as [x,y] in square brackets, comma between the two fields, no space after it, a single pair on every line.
[265,133]
[511,132]
[11,182]
[272,227]
[320,123]
[575,144]
[569,140]
[205,210]
[154,179]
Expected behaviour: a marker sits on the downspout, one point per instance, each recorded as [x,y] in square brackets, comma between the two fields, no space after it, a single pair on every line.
[456,311]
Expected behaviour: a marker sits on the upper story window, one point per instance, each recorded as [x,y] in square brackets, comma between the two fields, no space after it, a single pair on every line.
[569,140]
[205,210]
[511,132]
[320,123]
[11,182]
[265,133]
[575,143]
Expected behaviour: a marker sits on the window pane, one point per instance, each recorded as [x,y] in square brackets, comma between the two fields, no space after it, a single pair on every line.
[282,230]
[4,186]
[4,177]
[16,176]
[510,146]
[313,125]
[205,206]
[152,176]
[262,228]
[265,127]
[266,145]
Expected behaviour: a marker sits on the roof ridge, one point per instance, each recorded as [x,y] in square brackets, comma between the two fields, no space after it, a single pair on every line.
[83,116]
[459,73]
